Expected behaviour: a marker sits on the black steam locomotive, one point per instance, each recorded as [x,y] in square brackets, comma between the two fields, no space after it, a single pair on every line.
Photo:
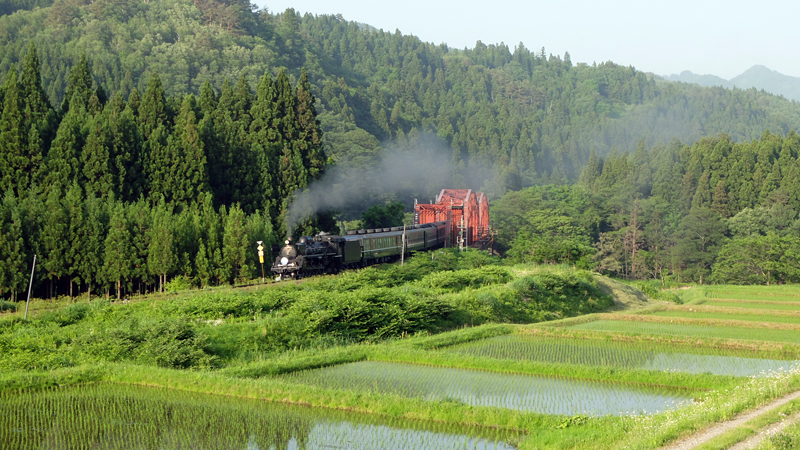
[326,253]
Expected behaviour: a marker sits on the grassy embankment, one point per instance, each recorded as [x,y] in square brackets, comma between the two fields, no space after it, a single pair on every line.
[240,343]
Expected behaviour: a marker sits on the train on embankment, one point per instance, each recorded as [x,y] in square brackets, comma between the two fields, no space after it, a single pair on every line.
[326,253]
[459,218]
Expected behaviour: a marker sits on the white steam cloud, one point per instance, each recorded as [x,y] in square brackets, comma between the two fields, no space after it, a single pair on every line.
[402,174]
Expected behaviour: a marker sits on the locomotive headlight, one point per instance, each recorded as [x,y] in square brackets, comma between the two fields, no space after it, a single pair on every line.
[284,261]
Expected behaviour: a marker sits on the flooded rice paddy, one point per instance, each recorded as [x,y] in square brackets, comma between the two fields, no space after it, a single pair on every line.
[644,356]
[480,388]
[113,417]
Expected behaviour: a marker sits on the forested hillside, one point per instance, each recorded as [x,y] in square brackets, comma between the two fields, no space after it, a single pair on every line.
[143,142]
[129,192]
[716,211]
[529,116]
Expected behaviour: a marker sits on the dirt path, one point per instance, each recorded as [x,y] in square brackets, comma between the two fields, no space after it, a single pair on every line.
[716,430]
[754,441]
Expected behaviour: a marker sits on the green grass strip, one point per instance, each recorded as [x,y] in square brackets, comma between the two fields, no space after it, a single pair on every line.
[773,318]
[689,330]
[60,377]
[751,428]
[726,440]
[691,344]
[777,306]
[456,337]
[691,382]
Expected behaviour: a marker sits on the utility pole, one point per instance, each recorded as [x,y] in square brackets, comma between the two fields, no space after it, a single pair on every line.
[30,285]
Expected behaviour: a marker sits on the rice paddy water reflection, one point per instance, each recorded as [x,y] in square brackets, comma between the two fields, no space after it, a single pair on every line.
[625,355]
[521,392]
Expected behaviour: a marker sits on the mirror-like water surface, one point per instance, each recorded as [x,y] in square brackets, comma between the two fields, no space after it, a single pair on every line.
[521,392]
[618,354]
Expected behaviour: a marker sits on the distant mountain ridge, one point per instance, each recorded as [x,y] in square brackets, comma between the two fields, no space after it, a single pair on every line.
[758,76]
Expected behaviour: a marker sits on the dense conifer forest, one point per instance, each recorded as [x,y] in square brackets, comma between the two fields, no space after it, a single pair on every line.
[527,115]
[108,191]
[143,143]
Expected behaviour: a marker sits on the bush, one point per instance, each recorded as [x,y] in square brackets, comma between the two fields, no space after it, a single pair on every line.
[176,284]
[270,335]
[467,278]
[7,306]
[655,293]
[163,342]
[370,313]
[69,315]
[533,298]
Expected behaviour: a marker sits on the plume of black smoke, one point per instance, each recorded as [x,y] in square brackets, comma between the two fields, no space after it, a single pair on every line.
[400,173]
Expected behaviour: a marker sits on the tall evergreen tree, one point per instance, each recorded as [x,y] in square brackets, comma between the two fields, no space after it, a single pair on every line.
[125,150]
[140,223]
[309,133]
[221,138]
[285,107]
[720,202]
[266,142]
[185,177]
[208,100]
[40,118]
[90,263]
[153,120]
[13,260]
[244,173]
[210,226]
[153,108]
[118,250]
[73,206]
[161,258]
[591,172]
[293,174]
[234,245]
[702,197]
[699,237]
[79,88]
[242,102]
[33,93]
[97,178]
[55,239]
[64,155]
[15,163]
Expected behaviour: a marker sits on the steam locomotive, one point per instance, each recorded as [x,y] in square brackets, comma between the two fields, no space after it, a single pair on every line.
[327,253]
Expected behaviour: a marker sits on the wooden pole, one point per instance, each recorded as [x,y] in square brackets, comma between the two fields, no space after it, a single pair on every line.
[30,285]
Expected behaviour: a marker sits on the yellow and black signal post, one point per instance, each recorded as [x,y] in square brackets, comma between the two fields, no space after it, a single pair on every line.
[261,259]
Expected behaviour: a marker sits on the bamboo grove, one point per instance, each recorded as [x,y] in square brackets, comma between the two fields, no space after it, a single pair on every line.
[123,193]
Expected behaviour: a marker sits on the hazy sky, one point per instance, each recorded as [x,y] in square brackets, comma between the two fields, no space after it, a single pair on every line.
[723,38]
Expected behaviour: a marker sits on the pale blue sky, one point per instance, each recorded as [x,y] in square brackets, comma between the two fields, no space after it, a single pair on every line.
[723,38]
